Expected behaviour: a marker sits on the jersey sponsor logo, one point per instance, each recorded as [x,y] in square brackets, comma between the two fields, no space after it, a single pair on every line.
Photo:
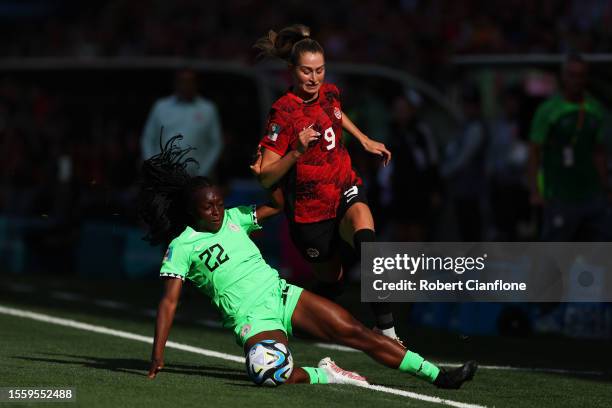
[233,227]
[337,113]
[312,252]
[168,255]
[351,193]
[274,131]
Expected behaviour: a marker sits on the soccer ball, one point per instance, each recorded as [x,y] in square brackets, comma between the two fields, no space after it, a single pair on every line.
[269,363]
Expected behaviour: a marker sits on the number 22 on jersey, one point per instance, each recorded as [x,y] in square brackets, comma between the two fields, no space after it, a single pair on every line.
[220,257]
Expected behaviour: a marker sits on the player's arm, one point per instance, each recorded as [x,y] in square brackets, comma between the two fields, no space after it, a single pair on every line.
[165,316]
[274,207]
[277,202]
[274,166]
[371,146]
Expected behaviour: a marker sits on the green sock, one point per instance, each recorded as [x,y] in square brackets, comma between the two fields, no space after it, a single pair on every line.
[417,365]
[317,375]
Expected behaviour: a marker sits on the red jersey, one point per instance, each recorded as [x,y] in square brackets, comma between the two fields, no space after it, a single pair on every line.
[312,188]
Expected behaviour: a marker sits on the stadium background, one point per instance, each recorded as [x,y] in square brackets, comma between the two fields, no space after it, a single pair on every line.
[77,80]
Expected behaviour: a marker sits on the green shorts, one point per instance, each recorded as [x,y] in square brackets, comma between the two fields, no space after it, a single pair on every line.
[271,312]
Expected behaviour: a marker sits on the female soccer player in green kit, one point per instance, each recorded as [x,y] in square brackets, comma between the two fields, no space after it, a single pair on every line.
[210,246]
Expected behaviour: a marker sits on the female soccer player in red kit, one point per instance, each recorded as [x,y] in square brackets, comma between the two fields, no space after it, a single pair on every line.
[304,155]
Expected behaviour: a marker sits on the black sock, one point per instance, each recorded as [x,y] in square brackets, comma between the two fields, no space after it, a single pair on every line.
[383,314]
[382,311]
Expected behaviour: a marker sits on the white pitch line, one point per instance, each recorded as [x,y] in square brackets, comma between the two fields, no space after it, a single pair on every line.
[68,296]
[209,353]
[420,397]
[117,333]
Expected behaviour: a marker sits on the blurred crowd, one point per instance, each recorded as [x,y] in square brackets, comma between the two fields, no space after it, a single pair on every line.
[415,35]
[472,187]
[72,147]
[63,156]
[71,159]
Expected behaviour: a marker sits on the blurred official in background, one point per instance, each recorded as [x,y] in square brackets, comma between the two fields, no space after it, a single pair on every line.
[567,166]
[190,115]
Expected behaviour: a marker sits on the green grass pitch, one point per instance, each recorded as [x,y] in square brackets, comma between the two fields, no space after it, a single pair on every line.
[111,371]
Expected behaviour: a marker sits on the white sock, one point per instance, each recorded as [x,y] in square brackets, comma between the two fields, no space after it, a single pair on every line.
[390,332]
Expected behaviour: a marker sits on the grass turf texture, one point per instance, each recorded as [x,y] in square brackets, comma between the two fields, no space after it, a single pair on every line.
[110,371]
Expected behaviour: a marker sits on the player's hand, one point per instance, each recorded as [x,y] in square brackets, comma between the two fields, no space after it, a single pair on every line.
[377,148]
[256,166]
[156,366]
[307,136]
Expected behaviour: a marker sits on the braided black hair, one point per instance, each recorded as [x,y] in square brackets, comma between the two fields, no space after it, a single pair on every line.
[166,192]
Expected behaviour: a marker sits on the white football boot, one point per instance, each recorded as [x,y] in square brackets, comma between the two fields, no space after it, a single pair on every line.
[337,375]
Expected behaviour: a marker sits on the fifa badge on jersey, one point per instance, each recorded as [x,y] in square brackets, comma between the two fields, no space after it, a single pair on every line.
[234,227]
[274,131]
[245,330]
[168,254]
[337,113]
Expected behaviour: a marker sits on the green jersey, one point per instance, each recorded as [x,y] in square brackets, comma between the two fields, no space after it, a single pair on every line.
[568,133]
[226,265]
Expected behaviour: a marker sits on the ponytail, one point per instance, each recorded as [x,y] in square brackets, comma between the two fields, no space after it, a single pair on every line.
[288,44]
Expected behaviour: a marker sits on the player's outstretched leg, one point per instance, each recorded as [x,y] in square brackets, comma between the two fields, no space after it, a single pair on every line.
[326,372]
[357,227]
[328,321]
